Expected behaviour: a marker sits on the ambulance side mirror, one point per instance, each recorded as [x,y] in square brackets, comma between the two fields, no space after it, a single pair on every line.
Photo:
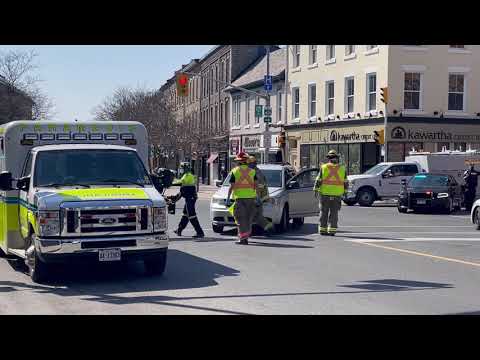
[6,181]
[157,183]
[23,183]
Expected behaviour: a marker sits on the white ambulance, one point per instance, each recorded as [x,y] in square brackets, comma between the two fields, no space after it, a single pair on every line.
[80,191]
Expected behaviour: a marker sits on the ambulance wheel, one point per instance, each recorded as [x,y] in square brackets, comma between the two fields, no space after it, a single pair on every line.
[217,228]
[37,269]
[156,265]
[476,218]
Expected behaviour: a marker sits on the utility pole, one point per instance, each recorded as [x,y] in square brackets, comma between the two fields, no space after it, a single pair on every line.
[266,134]
[285,105]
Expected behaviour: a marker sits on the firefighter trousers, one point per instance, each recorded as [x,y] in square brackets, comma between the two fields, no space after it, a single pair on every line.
[329,207]
[190,215]
[244,212]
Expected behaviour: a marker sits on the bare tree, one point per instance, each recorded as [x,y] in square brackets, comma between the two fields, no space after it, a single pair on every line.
[21,95]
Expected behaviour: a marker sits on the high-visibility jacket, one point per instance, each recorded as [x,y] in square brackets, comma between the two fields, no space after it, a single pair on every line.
[332,178]
[262,186]
[244,186]
[188,183]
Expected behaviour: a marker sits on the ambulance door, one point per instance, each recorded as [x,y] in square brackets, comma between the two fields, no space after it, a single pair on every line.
[24,205]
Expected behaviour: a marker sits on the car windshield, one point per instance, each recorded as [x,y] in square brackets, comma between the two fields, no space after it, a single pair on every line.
[377,169]
[89,167]
[274,178]
[428,180]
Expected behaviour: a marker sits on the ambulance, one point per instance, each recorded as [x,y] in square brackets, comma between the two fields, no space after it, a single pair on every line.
[80,192]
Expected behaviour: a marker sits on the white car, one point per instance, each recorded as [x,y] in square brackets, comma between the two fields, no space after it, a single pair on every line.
[291,197]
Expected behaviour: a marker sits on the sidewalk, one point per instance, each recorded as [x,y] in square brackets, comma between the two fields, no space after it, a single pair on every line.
[204,192]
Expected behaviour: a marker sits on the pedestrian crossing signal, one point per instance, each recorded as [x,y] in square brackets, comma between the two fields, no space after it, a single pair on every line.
[182,85]
[379,137]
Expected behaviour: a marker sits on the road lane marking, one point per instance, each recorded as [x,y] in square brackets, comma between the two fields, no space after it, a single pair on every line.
[407,226]
[393,233]
[422,254]
[415,239]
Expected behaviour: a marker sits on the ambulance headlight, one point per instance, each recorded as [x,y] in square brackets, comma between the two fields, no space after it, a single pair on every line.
[48,223]
[159,218]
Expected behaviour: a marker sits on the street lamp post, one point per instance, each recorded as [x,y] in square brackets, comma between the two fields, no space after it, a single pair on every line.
[266,134]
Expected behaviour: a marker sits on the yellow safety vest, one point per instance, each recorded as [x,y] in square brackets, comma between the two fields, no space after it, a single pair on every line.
[244,186]
[333,180]
[187,179]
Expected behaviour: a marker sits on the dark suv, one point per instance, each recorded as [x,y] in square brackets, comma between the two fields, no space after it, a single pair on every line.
[429,192]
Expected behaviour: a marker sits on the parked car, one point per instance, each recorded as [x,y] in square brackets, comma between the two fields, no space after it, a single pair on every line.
[430,192]
[381,182]
[291,198]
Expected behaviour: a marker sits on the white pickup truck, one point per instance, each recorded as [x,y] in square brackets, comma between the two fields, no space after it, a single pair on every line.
[381,182]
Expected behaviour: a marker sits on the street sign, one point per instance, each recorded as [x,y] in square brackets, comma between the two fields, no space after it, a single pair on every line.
[258,110]
[267,111]
[267,119]
[267,82]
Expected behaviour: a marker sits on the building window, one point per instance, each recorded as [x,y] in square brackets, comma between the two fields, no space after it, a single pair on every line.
[456,92]
[216,78]
[227,114]
[412,90]
[349,50]
[330,52]
[257,102]
[313,54]
[296,56]
[217,125]
[349,94]
[371,92]
[330,96]
[371,47]
[279,106]
[457,46]
[247,111]
[312,100]
[296,102]
[227,71]
[234,113]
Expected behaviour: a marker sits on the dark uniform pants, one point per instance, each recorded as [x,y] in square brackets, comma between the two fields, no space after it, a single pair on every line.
[469,198]
[189,214]
[244,211]
[329,207]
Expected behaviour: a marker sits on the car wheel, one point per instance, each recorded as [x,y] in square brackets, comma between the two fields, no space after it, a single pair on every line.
[476,218]
[298,222]
[402,210]
[366,197]
[37,269]
[350,202]
[283,225]
[217,228]
[156,265]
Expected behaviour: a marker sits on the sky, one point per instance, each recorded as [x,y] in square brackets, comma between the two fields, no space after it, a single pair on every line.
[79,77]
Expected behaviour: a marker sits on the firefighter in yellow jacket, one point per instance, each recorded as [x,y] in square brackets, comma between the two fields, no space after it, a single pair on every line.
[188,191]
[243,188]
[330,186]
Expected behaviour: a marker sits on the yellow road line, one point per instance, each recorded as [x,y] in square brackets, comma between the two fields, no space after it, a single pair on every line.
[421,254]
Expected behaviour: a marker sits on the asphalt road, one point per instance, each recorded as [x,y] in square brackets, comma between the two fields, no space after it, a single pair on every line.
[381,262]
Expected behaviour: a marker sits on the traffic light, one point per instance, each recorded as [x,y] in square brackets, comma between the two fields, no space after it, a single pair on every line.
[182,85]
[384,94]
[281,139]
[379,137]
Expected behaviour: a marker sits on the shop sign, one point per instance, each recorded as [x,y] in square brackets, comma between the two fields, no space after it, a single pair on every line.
[251,143]
[419,134]
[234,146]
[337,136]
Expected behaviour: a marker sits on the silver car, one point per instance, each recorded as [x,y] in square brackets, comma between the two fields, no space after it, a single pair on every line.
[291,198]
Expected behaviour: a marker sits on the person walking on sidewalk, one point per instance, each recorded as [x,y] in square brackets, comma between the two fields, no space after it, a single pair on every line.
[188,191]
[262,196]
[330,185]
[243,187]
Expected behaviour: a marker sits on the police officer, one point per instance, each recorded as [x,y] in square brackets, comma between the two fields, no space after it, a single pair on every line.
[243,187]
[188,191]
[471,181]
[262,196]
[330,185]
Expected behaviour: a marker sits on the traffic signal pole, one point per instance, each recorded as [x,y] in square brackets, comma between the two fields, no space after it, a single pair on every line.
[266,134]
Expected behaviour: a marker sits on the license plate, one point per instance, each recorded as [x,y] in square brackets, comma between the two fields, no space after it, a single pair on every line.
[109,255]
[421,201]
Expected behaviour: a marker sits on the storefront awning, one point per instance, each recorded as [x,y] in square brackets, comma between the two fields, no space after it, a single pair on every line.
[212,158]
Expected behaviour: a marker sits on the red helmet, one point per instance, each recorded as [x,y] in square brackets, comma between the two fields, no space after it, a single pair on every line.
[241,156]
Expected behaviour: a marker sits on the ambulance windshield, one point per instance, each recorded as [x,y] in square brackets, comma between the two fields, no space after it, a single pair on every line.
[89,167]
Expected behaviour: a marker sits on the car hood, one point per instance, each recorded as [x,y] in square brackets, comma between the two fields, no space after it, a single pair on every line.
[359,177]
[52,199]
[435,189]
[223,192]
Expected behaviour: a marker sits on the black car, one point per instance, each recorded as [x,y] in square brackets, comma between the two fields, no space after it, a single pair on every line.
[428,192]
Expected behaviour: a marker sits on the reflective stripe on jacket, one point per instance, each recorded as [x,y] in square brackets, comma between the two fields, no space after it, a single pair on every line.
[333,180]
[244,186]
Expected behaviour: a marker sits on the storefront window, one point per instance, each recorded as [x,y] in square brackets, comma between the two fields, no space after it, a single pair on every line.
[460,146]
[354,159]
[304,156]
[441,146]
[314,161]
[396,151]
